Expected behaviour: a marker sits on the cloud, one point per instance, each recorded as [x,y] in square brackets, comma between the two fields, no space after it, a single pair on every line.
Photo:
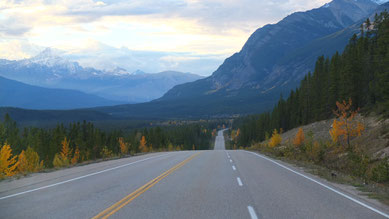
[101,56]
[18,49]
[151,35]
[13,27]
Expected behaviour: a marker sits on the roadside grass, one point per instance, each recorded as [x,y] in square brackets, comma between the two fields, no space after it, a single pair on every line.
[370,189]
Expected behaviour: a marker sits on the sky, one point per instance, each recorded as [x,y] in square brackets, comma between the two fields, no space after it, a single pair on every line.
[151,35]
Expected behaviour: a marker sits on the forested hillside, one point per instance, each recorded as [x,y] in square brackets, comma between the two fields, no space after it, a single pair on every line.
[361,74]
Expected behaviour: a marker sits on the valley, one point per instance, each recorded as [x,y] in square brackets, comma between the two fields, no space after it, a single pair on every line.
[292,125]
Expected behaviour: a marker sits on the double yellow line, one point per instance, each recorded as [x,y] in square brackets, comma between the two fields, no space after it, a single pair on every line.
[126,200]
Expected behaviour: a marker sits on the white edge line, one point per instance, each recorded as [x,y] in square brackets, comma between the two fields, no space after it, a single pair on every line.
[239,181]
[253,215]
[80,177]
[233,167]
[325,186]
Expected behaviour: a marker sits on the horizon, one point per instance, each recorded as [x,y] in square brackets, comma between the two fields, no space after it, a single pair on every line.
[185,36]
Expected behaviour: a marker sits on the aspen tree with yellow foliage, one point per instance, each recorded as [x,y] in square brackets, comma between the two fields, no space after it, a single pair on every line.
[29,161]
[275,139]
[142,145]
[345,124]
[106,153]
[123,146]
[76,156]
[63,158]
[8,163]
[300,138]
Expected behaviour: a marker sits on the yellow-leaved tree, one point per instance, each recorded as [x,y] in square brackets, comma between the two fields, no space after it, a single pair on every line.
[214,133]
[123,146]
[63,158]
[300,138]
[29,161]
[76,156]
[345,125]
[170,147]
[275,139]
[8,163]
[143,145]
[106,153]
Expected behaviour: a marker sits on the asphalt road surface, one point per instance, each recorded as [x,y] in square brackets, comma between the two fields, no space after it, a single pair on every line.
[188,184]
[219,141]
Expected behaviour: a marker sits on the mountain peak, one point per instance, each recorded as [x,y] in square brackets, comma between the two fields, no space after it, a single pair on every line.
[51,57]
[380,2]
[138,72]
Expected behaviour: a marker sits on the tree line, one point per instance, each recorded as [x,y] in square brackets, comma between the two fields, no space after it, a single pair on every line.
[82,141]
[360,73]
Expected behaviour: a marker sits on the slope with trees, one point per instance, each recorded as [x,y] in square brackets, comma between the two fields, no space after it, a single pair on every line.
[342,87]
[360,73]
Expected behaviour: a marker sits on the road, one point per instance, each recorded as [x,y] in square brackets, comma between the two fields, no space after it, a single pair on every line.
[187,184]
[219,141]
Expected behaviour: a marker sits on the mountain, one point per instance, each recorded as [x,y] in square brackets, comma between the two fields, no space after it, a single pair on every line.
[48,69]
[380,1]
[17,94]
[273,61]
[267,60]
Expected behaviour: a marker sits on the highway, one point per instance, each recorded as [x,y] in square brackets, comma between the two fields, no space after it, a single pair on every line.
[186,184]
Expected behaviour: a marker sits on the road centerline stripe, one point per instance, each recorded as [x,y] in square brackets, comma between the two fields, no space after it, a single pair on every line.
[80,177]
[323,185]
[239,181]
[252,213]
[126,200]
[233,167]
[230,161]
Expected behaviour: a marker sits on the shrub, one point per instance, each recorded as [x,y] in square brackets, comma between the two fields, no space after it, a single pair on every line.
[275,139]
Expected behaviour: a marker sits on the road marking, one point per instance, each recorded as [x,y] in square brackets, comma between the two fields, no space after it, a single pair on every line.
[253,215]
[323,185]
[230,161]
[239,181]
[233,167]
[129,198]
[81,177]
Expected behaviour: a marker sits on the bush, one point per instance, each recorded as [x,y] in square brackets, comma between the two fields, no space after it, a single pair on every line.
[380,173]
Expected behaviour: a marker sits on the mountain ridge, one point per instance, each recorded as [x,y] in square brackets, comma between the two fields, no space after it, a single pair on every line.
[223,94]
[50,70]
[18,94]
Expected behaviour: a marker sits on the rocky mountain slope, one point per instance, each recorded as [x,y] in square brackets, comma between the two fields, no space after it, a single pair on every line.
[273,61]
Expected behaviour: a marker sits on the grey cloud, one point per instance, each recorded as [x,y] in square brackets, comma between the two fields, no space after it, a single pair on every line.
[13,27]
[213,14]
[107,57]
[124,8]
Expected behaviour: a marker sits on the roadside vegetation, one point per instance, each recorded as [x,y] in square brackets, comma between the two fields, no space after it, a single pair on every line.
[34,149]
[342,88]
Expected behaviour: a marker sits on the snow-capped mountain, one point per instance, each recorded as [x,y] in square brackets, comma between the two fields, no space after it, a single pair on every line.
[51,70]
[380,2]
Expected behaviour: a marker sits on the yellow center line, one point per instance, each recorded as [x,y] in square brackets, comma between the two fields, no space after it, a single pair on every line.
[126,200]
